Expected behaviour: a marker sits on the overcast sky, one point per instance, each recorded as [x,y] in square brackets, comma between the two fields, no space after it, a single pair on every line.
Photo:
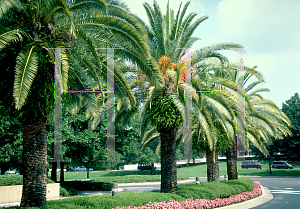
[270,28]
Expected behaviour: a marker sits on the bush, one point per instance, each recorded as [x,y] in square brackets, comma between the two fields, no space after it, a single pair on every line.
[15,179]
[63,192]
[88,185]
[10,180]
[68,191]
[213,190]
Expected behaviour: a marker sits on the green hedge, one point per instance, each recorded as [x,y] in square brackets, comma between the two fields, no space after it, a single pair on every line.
[92,185]
[15,179]
[67,191]
[210,190]
[213,190]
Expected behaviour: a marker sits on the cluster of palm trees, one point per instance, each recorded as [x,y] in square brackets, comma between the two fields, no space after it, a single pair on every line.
[31,29]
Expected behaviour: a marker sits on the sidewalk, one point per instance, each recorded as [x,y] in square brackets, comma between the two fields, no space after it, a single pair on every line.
[265,197]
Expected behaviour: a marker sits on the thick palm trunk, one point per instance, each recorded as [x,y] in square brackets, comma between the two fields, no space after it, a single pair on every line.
[212,165]
[35,164]
[231,163]
[168,161]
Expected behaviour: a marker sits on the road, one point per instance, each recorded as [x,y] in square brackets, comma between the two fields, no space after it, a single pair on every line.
[285,191]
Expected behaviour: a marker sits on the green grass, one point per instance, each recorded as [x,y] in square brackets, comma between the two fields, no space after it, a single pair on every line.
[182,173]
[206,190]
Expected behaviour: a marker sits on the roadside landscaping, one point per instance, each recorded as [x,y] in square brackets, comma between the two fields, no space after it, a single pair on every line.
[188,196]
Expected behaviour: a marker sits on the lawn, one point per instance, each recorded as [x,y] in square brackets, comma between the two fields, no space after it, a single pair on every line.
[182,173]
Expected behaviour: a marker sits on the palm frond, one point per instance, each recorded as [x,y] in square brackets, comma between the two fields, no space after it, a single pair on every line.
[25,72]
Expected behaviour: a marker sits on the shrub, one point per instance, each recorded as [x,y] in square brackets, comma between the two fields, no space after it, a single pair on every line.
[63,192]
[70,190]
[15,179]
[88,185]
[9,180]
[213,190]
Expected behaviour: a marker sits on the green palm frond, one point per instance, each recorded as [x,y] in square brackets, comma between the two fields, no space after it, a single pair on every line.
[26,70]
[8,36]
[65,69]
[82,4]
[58,8]
[6,5]
[149,137]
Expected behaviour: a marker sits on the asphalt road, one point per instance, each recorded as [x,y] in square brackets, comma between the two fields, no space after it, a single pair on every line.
[285,191]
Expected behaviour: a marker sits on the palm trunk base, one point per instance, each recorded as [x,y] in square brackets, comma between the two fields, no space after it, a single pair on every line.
[212,166]
[168,161]
[35,164]
[170,187]
[231,163]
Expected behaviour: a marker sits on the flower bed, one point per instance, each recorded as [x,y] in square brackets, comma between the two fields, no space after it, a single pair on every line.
[201,203]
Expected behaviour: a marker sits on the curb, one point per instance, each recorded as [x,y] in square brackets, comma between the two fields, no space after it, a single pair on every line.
[266,196]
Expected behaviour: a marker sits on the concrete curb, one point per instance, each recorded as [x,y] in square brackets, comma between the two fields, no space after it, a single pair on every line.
[265,197]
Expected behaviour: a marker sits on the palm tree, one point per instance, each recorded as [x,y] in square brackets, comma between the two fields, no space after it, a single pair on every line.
[263,119]
[28,30]
[214,125]
[168,36]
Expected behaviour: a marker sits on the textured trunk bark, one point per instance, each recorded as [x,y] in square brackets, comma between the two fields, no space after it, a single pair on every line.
[212,166]
[88,173]
[231,163]
[35,164]
[168,161]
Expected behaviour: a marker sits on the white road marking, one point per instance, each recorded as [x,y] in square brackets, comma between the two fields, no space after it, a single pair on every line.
[285,192]
[288,188]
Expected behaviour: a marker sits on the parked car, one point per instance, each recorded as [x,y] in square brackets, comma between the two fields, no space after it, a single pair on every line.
[14,171]
[57,170]
[251,164]
[82,168]
[281,164]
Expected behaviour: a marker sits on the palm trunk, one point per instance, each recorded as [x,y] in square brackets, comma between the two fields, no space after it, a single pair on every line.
[168,161]
[212,165]
[231,163]
[53,172]
[62,173]
[35,164]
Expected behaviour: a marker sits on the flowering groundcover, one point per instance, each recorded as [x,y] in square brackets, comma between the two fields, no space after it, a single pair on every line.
[201,203]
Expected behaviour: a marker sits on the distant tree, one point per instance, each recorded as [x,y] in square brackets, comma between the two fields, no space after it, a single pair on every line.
[291,145]
[11,137]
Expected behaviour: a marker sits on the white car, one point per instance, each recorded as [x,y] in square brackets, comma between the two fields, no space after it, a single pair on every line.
[14,171]
[82,168]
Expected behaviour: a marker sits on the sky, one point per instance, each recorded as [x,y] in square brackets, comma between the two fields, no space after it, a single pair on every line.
[269,30]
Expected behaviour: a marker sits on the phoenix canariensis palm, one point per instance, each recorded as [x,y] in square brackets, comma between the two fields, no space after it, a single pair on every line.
[263,118]
[28,30]
[168,37]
